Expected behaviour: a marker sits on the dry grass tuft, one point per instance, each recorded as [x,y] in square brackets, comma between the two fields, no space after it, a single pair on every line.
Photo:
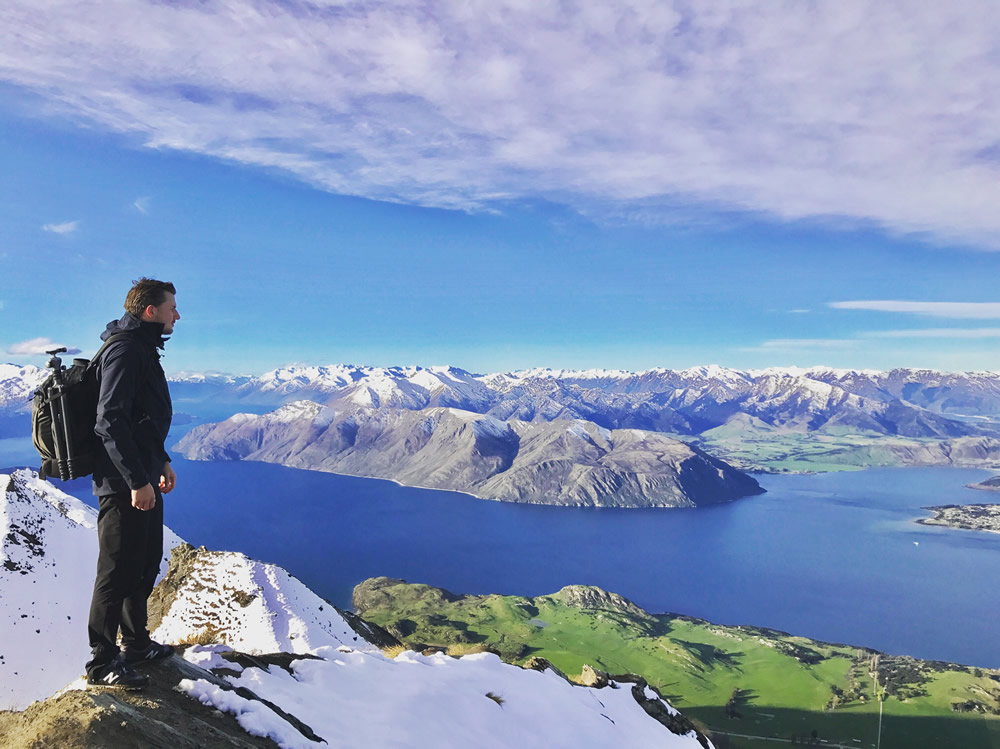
[496,698]
[208,635]
[467,648]
[393,650]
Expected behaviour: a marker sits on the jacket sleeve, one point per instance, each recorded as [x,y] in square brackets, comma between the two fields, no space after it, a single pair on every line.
[120,371]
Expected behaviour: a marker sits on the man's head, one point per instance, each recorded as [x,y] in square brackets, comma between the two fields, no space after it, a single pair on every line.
[153,301]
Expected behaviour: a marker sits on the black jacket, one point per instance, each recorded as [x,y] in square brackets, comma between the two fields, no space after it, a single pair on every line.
[133,408]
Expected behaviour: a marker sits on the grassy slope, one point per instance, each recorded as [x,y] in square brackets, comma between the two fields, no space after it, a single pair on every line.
[796,452]
[698,665]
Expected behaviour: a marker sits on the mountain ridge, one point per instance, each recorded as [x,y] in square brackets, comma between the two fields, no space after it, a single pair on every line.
[559,462]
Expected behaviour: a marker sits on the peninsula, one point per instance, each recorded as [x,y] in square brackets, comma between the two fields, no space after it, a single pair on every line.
[967,517]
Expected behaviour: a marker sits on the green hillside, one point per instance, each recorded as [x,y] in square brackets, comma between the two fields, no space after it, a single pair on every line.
[735,680]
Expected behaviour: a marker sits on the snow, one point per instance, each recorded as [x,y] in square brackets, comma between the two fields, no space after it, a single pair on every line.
[577,429]
[367,699]
[47,563]
[256,718]
[257,607]
[294,411]
[208,657]
[490,426]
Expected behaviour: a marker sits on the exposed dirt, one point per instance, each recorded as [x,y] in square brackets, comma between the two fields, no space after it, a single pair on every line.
[157,717]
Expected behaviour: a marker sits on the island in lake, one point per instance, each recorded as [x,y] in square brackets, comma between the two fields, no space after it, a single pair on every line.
[968,517]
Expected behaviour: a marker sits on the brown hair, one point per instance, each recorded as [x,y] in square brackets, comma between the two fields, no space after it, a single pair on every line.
[147,291]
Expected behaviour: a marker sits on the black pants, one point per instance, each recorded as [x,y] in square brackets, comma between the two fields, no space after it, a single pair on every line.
[131,547]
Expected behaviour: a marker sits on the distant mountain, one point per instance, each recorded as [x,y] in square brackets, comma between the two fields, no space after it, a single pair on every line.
[910,403]
[17,384]
[562,462]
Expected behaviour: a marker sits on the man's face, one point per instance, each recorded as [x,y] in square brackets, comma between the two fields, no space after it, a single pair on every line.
[165,313]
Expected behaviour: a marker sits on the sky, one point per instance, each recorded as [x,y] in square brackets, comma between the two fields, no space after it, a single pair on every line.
[502,185]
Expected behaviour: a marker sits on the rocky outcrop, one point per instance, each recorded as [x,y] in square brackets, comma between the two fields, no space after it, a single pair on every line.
[158,717]
[563,462]
[592,597]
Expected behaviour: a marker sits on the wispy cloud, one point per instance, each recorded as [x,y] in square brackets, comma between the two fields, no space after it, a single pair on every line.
[791,109]
[936,333]
[37,346]
[67,227]
[143,205]
[966,310]
[787,344]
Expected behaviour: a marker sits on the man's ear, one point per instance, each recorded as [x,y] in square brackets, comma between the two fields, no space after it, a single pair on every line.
[149,312]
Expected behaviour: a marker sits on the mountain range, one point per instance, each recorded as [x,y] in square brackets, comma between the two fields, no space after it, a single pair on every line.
[904,402]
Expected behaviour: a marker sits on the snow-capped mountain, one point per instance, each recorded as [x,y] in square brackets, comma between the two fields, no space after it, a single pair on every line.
[17,384]
[562,462]
[376,387]
[902,402]
[913,403]
[287,666]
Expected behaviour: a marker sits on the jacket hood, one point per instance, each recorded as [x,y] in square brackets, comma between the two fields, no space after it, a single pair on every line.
[129,323]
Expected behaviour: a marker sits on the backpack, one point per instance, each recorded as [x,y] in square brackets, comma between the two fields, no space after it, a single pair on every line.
[63,416]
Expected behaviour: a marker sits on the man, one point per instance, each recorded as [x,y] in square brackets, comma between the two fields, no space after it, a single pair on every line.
[132,473]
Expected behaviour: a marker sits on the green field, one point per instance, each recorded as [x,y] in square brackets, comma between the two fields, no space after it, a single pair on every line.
[796,452]
[733,680]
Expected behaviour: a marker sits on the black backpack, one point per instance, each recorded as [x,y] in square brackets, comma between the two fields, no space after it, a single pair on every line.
[63,415]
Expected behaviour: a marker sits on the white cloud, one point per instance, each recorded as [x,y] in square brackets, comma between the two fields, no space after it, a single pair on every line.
[37,346]
[936,333]
[795,110]
[803,343]
[143,205]
[968,310]
[67,227]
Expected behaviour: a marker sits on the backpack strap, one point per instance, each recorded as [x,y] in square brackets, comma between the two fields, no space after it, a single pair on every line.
[111,339]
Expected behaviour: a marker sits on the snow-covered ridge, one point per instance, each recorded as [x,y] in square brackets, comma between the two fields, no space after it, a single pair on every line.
[254,607]
[47,561]
[357,699]
[332,679]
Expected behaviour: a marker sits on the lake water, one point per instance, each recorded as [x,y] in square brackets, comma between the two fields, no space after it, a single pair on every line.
[832,556]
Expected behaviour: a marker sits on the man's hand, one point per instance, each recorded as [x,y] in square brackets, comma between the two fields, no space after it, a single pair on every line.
[168,480]
[144,498]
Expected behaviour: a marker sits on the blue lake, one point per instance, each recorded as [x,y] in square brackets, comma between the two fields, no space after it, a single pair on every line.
[835,556]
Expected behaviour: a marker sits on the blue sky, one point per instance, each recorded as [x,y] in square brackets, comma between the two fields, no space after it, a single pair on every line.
[503,185]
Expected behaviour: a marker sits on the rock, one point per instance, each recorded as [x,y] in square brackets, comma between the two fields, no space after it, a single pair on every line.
[591,677]
[592,597]
[157,717]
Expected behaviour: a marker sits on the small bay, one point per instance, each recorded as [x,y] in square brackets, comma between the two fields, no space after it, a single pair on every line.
[834,556]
